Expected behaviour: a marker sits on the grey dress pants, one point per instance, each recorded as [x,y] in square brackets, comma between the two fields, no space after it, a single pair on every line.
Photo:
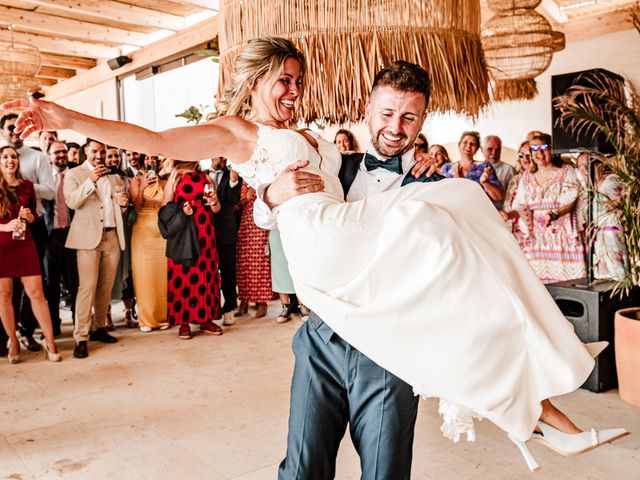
[335,385]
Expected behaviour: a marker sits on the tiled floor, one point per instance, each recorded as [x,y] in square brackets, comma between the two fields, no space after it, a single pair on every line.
[156,407]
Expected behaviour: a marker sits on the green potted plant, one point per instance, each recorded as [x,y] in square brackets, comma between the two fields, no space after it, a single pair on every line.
[606,107]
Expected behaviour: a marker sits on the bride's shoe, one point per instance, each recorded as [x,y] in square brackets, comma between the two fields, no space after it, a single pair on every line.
[566,444]
[52,357]
[13,358]
[569,444]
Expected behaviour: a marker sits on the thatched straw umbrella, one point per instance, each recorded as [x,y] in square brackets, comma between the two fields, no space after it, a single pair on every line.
[346,42]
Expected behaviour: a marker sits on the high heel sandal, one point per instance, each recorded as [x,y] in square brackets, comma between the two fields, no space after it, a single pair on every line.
[52,357]
[13,359]
[567,444]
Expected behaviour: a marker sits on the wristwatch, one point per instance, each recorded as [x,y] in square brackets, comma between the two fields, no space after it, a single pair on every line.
[553,215]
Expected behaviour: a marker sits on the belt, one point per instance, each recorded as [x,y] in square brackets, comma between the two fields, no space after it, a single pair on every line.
[109,229]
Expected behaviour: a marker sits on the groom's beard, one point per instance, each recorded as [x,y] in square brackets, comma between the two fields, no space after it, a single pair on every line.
[386,152]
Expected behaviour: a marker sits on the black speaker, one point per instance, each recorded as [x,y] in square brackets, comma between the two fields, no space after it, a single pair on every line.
[591,309]
[564,140]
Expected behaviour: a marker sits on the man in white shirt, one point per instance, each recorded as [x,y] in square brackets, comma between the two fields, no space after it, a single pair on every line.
[34,166]
[60,262]
[333,383]
[491,149]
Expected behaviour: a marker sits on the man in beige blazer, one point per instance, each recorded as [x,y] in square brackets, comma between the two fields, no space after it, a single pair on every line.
[97,234]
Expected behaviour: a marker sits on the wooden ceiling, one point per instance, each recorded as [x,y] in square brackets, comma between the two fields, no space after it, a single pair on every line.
[76,35]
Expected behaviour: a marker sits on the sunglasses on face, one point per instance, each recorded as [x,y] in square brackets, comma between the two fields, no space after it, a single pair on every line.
[545,147]
[420,145]
[11,128]
[524,154]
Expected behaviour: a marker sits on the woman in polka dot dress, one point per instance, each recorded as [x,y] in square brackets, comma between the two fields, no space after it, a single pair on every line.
[194,292]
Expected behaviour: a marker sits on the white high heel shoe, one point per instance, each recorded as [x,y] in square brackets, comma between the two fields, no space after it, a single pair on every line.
[567,444]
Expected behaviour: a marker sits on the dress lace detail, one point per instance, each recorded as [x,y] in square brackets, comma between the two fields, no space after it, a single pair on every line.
[456,421]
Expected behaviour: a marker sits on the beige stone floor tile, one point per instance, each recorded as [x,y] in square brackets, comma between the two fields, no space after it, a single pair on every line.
[159,408]
[172,462]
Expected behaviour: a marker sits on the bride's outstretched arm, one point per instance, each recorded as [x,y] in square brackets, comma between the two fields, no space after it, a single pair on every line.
[225,137]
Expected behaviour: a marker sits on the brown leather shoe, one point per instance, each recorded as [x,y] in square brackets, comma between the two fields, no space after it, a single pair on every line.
[184,332]
[210,328]
[243,308]
[261,310]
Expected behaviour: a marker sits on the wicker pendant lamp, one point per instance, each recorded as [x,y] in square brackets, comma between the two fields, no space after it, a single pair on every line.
[19,64]
[346,42]
[519,44]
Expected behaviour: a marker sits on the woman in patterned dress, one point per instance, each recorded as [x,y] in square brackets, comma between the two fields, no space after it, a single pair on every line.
[194,292]
[524,164]
[545,206]
[253,260]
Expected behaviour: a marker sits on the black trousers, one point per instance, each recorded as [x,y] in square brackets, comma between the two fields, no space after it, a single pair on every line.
[61,266]
[227,260]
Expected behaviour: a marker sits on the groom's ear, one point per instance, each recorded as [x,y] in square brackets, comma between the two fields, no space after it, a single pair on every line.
[367,111]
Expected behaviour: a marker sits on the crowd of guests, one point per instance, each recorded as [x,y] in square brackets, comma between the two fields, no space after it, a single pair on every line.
[543,200]
[179,247]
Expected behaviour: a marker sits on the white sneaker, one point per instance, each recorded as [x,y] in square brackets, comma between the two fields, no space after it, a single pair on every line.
[145,329]
[285,314]
[228,319]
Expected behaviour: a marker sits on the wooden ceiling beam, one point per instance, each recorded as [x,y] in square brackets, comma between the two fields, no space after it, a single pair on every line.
[62,46]
[25,20]
[46,82]
[194,37]
[595,25]
[66,61]
[56,72]
[213,5]
[112,10]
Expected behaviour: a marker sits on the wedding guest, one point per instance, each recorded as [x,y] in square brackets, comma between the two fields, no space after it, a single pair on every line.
[346,141]
[123,287]
[45,138]
[281,281]
[134,163]
[253,259]
[227,185]
[60,262]
[480,172]
[18,255]
[610,253]
[35,167]
[523,164]
[73,150]
[552,243]
[438,156]
[194,289]
[492,149]
[97,235]
[148,249]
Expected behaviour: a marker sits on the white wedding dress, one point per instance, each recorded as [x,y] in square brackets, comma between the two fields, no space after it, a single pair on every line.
[428,282]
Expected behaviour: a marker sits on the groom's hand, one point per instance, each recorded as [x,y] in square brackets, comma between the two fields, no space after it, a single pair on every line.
[292,182]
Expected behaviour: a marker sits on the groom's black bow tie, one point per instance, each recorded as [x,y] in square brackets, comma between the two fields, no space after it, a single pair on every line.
[393,164]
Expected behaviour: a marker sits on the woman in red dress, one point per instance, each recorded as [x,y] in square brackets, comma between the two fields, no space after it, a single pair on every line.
[253,259]
[193,294]
[18,255]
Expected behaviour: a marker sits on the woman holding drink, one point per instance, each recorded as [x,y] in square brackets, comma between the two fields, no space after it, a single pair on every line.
[18,255]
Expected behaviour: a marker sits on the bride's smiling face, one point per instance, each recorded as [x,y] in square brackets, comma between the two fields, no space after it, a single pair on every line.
[274,96]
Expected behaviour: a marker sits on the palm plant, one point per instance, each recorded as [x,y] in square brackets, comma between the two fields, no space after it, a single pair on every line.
[603,106]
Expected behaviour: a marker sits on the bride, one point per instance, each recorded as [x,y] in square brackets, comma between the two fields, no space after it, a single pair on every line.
[438,253]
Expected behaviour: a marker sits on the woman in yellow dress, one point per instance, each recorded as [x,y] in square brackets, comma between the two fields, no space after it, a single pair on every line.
[148,250]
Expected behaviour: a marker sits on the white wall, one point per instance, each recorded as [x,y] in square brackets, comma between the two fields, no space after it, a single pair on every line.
[99,101]
[618,52]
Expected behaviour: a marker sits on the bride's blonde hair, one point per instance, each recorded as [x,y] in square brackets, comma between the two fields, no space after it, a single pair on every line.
[260,57]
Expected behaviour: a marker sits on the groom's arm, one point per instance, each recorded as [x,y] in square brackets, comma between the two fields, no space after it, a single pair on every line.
[290,183]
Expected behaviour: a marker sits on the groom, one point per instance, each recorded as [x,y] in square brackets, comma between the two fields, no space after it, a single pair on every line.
[335,385]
